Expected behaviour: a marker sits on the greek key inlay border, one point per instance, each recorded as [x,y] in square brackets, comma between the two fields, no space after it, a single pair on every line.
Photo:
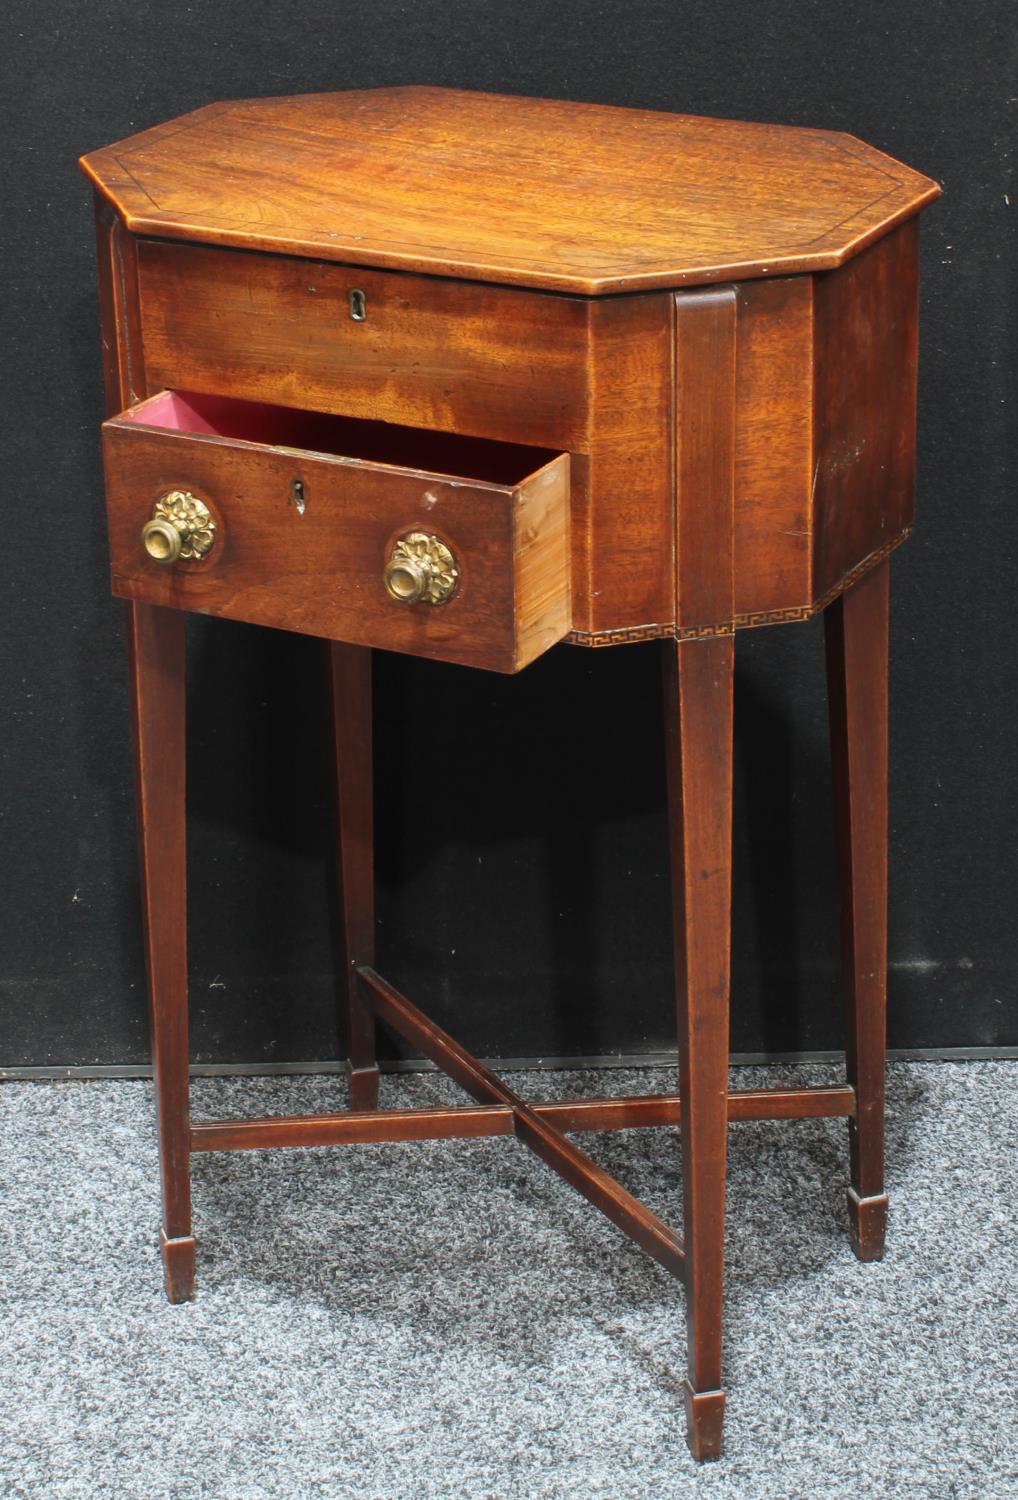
[630,634]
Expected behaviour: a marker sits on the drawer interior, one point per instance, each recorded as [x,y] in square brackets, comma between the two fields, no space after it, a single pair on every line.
[286,427]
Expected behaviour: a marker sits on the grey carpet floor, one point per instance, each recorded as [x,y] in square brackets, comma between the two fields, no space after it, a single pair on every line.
[430,1322]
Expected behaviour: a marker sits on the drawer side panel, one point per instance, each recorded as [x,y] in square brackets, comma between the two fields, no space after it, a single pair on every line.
[543,596]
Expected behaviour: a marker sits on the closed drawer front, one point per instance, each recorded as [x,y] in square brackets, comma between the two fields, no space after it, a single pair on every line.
[422,351]
[383,536]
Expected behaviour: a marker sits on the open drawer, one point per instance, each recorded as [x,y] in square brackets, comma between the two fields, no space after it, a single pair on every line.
[443,546]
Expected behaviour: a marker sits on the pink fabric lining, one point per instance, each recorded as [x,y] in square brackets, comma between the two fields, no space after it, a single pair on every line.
[168,409]
[347,437]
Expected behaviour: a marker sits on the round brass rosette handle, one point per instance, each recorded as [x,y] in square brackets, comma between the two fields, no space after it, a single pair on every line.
[421,570]
[181,527]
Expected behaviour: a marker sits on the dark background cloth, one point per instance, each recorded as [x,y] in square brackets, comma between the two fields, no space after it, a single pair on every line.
[523,889]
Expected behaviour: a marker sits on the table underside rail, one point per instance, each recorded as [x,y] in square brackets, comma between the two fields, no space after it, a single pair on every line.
[499,1111]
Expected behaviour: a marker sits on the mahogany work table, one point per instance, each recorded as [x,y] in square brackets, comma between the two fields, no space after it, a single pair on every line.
[465,375]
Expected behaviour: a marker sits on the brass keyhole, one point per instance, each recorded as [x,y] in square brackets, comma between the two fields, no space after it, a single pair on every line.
[358,306]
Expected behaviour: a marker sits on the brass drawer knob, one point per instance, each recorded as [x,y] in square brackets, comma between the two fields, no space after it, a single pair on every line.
[181,527]
[421,570]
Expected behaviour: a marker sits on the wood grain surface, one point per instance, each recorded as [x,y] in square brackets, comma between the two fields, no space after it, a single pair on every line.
[857,629]
[727,439]
[318,568]
[156,673]
[493,361]
[362,1123]
[351,702]
[866,353]
[822,486]
[535,192]
[698,709]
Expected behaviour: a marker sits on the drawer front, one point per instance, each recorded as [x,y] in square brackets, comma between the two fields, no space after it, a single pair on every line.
[461,357]
[318,542]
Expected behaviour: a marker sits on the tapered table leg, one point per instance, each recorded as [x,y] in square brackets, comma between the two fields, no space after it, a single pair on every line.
[351,718]
[158,679]
[698,718]
[857,653]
